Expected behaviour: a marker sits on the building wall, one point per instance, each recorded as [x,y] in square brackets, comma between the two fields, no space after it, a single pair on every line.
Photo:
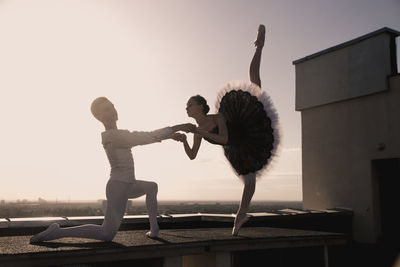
[349,99]
[358,69]
[339,142]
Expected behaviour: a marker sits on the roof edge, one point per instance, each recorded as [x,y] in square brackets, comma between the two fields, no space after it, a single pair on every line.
[353,41]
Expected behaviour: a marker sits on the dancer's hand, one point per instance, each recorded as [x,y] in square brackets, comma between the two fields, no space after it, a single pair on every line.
[186,127]
[180,137]
[189,128]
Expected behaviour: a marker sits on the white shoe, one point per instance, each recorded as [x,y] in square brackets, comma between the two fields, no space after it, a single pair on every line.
[42,235]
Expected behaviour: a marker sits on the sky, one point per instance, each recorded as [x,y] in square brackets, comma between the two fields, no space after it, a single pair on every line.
[148,58]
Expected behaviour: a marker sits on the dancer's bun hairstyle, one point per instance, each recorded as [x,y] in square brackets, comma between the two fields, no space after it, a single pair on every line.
[201,101]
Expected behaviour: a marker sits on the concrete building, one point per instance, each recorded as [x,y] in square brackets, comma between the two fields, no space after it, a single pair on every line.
[349,99]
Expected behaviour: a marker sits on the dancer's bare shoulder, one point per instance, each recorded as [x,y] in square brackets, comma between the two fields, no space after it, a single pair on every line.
[219,118]
[215,120]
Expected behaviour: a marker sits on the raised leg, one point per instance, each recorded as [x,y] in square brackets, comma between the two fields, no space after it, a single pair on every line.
[254,71]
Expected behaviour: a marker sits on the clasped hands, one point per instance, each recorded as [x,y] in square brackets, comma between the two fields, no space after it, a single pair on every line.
[186,127]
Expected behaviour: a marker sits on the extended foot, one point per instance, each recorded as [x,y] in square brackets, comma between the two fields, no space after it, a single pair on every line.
[43,235]
[259,42]
[152,233]
[239,221]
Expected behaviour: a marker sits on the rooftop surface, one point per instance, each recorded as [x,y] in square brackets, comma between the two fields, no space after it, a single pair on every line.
[180,234]
[133,244]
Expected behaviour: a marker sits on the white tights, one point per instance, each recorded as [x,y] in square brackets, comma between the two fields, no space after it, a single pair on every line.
[117,194]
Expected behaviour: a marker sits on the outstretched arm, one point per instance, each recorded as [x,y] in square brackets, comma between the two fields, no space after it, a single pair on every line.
[136,138]
[186,127]
[254,71]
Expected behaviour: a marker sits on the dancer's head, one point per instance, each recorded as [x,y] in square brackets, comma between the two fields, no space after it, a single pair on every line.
[103,110]
[197,104]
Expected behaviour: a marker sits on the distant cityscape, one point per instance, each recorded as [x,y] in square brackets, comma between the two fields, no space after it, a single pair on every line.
[43,208]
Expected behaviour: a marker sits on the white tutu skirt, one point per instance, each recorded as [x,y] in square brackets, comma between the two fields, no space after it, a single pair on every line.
[252,122]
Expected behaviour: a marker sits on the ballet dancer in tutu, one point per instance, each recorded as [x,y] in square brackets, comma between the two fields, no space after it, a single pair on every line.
[122,184]
[245,126]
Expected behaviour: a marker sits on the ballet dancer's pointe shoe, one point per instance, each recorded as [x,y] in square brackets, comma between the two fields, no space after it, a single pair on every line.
[259,42]
[152,234]
[42,235]
[239,221]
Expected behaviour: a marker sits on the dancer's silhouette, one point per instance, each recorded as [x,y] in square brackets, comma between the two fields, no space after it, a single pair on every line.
[122,184]
[245,125]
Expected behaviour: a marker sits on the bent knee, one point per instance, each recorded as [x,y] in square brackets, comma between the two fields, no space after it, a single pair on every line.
[109,235]
[153,188]
[109,231]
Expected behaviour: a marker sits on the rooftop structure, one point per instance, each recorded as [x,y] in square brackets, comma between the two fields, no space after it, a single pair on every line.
[349,96]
